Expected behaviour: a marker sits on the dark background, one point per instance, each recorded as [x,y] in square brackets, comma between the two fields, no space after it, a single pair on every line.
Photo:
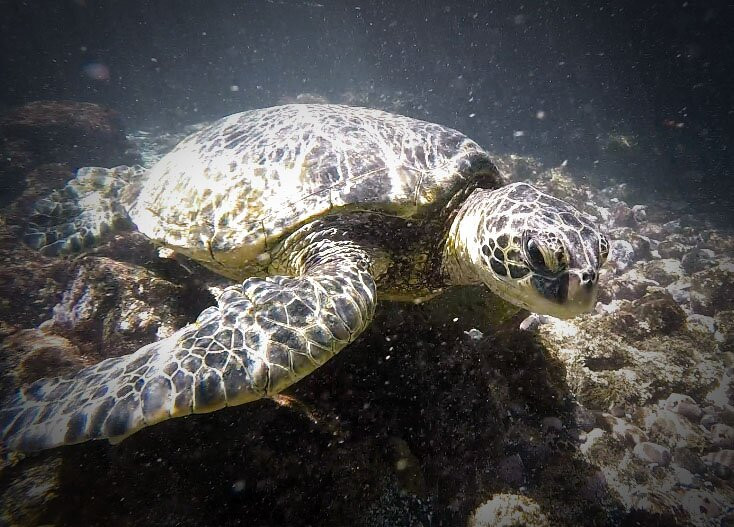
[658,72]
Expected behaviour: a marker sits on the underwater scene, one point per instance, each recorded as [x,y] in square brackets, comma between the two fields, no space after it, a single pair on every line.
[344,263]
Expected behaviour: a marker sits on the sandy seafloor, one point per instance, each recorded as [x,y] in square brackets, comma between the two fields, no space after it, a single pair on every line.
[435,416]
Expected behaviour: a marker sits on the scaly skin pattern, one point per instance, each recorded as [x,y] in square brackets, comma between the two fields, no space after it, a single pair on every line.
[227,194]
[262,336]
[330,203]
[527,247]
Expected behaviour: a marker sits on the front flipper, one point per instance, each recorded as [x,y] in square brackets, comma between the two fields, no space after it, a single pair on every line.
[262,337]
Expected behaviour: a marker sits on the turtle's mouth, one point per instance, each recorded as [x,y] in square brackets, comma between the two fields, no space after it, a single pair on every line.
[554,289]
[565,295]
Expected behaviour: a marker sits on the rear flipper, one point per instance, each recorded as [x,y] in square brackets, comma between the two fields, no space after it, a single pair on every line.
[78,216]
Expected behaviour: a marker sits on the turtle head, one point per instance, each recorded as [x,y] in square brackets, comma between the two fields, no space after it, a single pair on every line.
[531,249]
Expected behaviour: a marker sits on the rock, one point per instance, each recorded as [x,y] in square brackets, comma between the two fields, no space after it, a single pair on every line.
[606,278]
[30,284]
[26,498]
[621,254]
[673,400]
[591,440]
[691,224]
[708,420]
[111,306]
[531,322]
[75,133]
[698,260]
[720,471]
[671,227]
[639,213]
[624,431]
[722,436]
[511,470]
[642,246]
[623,216]
[683,405]
[652,230]
[701,504]
[726,414]
[702,323]
[660,311]
[652,453]
[717,241]
[672,249]
[585,418]
[680,290]
[551,424]
[617,410]
[655,313]
[690,411]
[592,360]
[672,429]
[474,334]
[629,286]
[558,182]
[508,510]
[712,289]
[595,486]
[722,461]
[724,323]
[684,477]
[29,354]
[686,236]
[664,271]
[688,460]
[43,355]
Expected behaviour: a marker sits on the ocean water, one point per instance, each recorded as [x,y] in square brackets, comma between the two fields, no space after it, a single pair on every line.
[449,410]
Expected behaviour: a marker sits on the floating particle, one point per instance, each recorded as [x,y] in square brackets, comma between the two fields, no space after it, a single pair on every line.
[97,71]
[474,334]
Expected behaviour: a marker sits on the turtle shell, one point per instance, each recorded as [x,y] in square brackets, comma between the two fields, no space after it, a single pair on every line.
[228,193]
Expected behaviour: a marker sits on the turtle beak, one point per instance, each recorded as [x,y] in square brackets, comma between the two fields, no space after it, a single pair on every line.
[567,295]
[581,291]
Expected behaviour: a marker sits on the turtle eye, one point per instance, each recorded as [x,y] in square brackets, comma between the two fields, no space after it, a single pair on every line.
[547,258]
[561,259]
[603,249]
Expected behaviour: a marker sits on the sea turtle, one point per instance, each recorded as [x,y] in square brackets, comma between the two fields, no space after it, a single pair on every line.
[314,208]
